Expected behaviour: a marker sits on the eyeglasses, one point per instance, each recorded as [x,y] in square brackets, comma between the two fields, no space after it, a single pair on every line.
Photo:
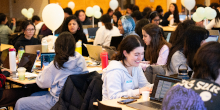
[156,20]
[30,30]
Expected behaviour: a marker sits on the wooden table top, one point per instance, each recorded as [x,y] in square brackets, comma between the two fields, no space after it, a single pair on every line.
[169,28]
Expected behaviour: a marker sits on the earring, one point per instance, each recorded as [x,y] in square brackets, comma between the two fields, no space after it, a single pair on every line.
[79,28]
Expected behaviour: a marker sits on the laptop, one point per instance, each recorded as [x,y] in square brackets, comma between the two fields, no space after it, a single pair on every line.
[92,32]
[115,41]
[46,58]
[161,85]
[33,48]
[213,36]
[26,61]
[94,51]
[4,54]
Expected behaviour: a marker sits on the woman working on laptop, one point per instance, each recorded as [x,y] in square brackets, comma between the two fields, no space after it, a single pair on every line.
[66,62]
[123,76]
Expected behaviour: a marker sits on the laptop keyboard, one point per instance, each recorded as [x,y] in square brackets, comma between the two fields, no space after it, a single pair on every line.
[151,104]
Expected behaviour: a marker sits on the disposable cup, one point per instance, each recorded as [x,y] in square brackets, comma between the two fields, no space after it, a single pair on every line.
[145,95]
[21,73]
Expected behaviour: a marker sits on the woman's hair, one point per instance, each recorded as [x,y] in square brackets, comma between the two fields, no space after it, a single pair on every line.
[137,14]
[177,39]
[206,62]
[77,13]
[159,9]
[181,28]
[156,43]
[135,8]
[64,48]
[106,19]
[118,14]
[68,10]
[26,23]
[127,23]
[146,12]
[194,36]
[217,16]
[128,44]
[2,17]
[109,10]
[130,6]
[214,5]
[153,15]
[79,33]
[140,25]
[175,13]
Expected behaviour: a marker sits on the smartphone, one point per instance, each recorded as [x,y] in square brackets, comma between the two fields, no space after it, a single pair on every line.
[127,101]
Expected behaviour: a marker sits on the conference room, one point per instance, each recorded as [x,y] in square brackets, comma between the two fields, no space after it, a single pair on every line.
[109,55]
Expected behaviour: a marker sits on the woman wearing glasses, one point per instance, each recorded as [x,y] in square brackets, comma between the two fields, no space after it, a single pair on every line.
[27,37]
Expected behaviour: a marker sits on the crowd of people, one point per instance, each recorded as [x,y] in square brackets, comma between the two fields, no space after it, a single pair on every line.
[144,44]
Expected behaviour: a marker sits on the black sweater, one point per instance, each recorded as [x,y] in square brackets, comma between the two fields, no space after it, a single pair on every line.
[22,41]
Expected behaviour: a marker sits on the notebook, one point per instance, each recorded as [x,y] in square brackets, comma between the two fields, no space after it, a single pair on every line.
[32,48]
[94,51]
[115,41]
[161,85]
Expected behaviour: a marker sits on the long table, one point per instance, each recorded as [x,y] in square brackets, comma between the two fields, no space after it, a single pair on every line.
[169,28]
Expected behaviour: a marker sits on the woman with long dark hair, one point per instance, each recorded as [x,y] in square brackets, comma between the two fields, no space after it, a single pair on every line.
[104,33]
[173,13]
[159,10]
[81,15]
[66,62]
[215,23]
[184,50]
[123,75]
[73,25]
[116,16]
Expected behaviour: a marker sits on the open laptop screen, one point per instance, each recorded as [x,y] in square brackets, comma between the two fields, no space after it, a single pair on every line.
[212,38]
[161,85]
[46,58]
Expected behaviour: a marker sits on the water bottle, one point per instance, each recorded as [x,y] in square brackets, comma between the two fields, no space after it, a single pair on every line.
[183,74]
[104,59]
[12,61]
[44,46]
[20,53]
[79,47]
[171,21]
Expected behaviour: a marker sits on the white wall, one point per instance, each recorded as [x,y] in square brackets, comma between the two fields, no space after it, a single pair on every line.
[18,5]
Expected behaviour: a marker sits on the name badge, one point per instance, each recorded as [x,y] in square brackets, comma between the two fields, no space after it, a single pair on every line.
[129,81]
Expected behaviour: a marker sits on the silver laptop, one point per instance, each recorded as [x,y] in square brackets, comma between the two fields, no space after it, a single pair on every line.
[161,85]
[32,48]
[94,51]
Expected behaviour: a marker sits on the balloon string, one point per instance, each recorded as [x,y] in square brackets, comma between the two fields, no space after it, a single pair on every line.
[53,33]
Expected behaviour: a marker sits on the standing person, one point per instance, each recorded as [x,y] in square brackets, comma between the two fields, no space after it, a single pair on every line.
[80,14]
[183,51]
[26,38]
[38,24]
[73,25]
[201,92]
[105,33]
[4,29]
[123,76]
[157,47]
[116,16]
[173,13]
[126,25]
[66,62]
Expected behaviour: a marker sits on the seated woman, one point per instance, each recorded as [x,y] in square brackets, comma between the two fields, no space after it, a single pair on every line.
[80,14]
[140,25]
[4,29]
[200,93]
[173,13]
[126,25]
[116,16]
[73,25]
[27,38]
[215,23]
[184,52]
[104,33]
[157,47]
[66,62]
[181,28]
[123,76]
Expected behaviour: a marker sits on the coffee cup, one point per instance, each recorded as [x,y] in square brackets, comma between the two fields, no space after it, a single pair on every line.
[21,73]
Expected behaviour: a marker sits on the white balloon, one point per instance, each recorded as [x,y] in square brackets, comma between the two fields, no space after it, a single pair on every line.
[200,12]
[113,4]
[29,15]
[196,18]
[24,12]
[89,11]
[96,8]
[182,2]
[189,4]
[53,16]
[210,13]
[31,10]
[71,5]
[97,14]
